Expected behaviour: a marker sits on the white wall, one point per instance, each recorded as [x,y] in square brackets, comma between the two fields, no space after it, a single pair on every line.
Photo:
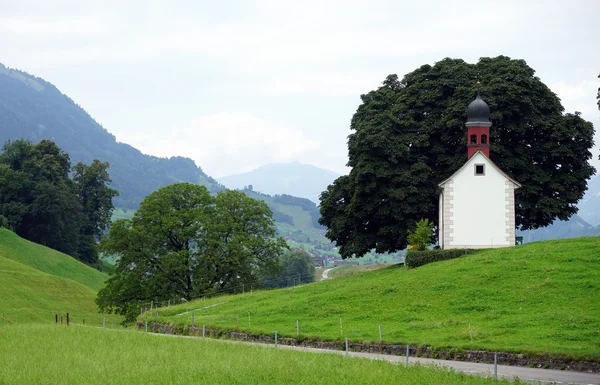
[479,207]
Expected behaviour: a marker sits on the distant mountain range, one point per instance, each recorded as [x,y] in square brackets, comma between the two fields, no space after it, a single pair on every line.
[33,109]
[589,206]
[297,179]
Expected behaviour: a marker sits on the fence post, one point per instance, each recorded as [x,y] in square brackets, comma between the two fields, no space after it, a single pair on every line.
[237,322]
[341,327]
[275,338]
[248,320]
[496,365]
[346,346]
[192,319]
[203,331]
[56,318]
[151,304]
[156,312]
[407,353]
[68,319]
[380,339]
[146,323]
[297,328]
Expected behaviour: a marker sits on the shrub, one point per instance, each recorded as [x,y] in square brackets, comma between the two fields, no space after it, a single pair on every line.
[420,238]
[416,258]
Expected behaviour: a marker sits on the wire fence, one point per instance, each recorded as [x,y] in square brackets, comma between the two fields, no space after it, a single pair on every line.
[345,344]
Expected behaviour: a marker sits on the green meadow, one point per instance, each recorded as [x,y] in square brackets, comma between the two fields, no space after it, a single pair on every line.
[37,282]
[536,298]
[83,355]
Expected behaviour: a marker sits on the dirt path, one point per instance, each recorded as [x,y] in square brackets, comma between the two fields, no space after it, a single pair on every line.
[325,274]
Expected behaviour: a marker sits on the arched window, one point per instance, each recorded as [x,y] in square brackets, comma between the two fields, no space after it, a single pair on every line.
[484,139]
[473,139]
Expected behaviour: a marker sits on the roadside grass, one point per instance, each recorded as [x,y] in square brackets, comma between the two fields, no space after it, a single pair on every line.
[49,261]
[77,355]
[537,298]
[348,270]
[28,295]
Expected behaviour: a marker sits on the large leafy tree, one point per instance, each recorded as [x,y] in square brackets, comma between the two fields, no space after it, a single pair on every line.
[40,202]
[183,243]
[36,195]
[409,135]
[96,199]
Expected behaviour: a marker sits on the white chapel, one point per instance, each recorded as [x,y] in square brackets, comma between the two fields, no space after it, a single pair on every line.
[477,203]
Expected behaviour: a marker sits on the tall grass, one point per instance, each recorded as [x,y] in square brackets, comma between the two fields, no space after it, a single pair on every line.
[537,298]
[71,355]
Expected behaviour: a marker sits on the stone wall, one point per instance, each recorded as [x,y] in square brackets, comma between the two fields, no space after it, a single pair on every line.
[480,356]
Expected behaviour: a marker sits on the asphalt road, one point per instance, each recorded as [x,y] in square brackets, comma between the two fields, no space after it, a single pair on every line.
[485,370]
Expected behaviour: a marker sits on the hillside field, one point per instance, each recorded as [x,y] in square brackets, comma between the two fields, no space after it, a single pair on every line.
[76,355]
[37,282]
[536,298]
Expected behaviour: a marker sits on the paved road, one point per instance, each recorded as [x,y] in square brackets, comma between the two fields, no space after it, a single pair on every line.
[325,272]
[484,370]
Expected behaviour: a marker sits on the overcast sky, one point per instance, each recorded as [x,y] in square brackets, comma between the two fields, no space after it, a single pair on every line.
[238,84]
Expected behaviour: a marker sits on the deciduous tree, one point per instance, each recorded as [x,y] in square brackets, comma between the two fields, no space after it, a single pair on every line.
[182,243]
[96,199]
[409,135]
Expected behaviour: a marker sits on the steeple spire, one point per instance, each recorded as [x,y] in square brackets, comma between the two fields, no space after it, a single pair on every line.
[478,126]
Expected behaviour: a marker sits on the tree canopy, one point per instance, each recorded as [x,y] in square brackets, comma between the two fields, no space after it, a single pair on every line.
[297,267]
[409,135]
[41,203]
[183,243]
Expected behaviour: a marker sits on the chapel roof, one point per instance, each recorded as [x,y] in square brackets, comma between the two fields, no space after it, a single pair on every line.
[478,112]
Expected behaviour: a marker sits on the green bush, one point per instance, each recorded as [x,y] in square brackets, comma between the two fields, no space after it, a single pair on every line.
[416,258]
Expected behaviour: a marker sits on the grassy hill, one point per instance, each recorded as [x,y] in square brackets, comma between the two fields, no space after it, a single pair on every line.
[37,282]
[48,261]
[538,298]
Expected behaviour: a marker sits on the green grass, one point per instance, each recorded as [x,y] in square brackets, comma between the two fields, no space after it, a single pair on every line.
[37,282]
[48,261]
[75,355]
[537,298]
[348,270]
[28,295]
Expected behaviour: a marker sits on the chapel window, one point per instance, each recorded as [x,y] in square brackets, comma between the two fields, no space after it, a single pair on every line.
[473,139]
[480,169]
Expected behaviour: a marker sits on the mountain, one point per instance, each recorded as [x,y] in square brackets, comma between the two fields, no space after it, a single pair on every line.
[585,222]
[296,179]
[589,206]
[33,109]
[573,228]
